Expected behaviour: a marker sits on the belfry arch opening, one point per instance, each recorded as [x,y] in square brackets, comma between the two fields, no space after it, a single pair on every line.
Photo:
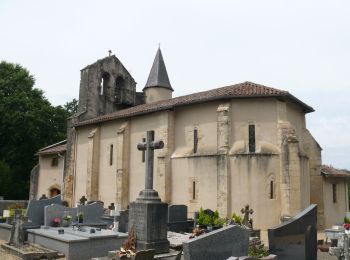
[104,83]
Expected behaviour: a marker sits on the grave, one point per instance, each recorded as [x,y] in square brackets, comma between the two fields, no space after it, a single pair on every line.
[177,219]
[219,244]
[92,214]
[35,209]
[80,244]
[148,214]
[296,238]
[19,247]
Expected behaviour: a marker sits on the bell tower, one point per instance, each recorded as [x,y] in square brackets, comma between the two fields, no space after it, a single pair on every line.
[105,87]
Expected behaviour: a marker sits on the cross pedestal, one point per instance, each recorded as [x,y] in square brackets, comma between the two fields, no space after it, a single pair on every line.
[148,214]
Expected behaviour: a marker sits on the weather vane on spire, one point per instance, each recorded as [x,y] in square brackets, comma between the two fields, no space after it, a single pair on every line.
[109,52]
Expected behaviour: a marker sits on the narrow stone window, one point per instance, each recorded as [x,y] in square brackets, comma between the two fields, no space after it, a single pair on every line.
[252,138]
[193,190]
[334,190]
[111,155]
[271,190]
[101,87]
[143,151]
[54,161]
[195,140]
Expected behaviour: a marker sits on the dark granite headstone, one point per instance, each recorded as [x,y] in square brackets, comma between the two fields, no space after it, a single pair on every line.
[177,219]
[177,213]
[296,238]
[123,221]
[219,244]
[35,209]
[92,212]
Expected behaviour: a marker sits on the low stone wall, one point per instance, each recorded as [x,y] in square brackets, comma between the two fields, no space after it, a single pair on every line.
[5,203]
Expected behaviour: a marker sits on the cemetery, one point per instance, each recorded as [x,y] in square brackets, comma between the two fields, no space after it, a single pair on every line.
[152,229]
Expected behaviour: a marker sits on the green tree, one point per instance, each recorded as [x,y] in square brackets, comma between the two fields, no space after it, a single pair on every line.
[28,122]
[71,107]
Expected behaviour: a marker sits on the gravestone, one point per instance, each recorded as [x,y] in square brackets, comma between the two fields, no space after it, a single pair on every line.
[92,212]
[148,214]
[296,238]
[177,213]
[123,221]
[57,211]
[219,244]
[35,209]
[177,219]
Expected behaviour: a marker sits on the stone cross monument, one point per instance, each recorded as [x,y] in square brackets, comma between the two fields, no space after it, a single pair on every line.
[148,214]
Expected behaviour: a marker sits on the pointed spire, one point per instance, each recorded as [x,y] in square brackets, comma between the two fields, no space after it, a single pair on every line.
[158,77]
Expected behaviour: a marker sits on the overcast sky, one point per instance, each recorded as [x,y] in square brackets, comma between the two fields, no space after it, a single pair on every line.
[299,46]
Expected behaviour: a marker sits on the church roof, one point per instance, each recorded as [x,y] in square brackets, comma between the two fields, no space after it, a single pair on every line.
[330,171]
[57,148]
[158,76]
[242,90]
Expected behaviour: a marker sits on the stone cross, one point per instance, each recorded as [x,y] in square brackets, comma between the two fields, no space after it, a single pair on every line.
[149,146]
[17,232]
[82,200]
[246,211]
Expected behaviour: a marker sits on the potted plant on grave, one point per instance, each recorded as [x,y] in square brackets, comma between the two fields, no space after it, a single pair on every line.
[56,222]
[2,219]
[80,217]
[204,220]
[237,219]
[208,221]
[67,220]
[219,223]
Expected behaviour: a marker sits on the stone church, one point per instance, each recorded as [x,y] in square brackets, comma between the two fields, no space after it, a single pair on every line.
[223,148]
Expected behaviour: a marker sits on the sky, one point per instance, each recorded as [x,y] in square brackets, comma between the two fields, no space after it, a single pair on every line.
[299,46]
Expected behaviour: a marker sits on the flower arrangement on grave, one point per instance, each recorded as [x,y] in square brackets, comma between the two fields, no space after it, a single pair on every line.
[67,220]
[196,232]
[56,222]
[257,249]
[129,248]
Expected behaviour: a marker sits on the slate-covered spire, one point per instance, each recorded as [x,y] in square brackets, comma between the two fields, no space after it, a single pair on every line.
[158,77]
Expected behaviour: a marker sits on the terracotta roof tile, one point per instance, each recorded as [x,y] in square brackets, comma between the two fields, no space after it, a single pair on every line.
[242,90]
[60,148]
[330,171]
